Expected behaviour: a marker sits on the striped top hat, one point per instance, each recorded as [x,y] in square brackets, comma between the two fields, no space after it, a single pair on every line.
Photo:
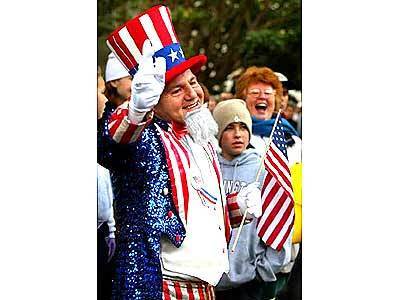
[154,24]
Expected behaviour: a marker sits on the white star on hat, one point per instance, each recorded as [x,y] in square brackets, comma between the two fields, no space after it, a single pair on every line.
[173,55]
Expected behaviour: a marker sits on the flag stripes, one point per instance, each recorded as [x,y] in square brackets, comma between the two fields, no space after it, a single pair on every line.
[276,222]
[274,165]
[284,233]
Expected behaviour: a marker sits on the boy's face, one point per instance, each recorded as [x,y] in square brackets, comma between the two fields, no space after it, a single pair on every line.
[234,140]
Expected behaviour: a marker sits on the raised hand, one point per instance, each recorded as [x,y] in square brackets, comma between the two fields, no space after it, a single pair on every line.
[147,84]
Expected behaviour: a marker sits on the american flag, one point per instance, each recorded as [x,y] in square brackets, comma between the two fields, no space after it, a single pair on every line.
[276,221]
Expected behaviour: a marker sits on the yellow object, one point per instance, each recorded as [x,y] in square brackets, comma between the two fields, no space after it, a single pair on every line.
[296,171]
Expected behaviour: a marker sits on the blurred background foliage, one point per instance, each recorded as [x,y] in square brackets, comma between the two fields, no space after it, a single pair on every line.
[233,34]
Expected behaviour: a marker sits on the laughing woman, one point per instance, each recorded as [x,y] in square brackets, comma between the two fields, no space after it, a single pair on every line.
[261,89]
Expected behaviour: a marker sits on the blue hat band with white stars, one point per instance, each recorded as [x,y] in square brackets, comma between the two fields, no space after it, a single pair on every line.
[173,55]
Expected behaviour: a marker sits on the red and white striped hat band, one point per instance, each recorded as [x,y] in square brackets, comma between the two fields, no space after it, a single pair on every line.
[156,25]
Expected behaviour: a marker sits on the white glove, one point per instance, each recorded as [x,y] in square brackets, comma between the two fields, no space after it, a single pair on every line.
[147,84]
[250,197]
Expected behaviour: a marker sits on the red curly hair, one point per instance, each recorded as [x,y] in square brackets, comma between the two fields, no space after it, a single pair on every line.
[259,74]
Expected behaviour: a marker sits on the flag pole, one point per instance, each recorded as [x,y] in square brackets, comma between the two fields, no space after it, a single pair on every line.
[257,176]
[268,145]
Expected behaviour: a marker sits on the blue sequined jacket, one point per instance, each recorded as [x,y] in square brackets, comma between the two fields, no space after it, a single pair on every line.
[143,209]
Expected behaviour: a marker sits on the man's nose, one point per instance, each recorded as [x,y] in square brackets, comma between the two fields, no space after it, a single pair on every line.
[190,93]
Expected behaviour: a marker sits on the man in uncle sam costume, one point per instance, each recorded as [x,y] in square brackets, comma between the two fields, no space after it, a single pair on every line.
[170,208]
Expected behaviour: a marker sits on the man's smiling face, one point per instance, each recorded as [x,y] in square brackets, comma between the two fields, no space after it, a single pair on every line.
[180,96]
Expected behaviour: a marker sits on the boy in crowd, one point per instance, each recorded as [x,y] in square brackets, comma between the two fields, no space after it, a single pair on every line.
[253,264]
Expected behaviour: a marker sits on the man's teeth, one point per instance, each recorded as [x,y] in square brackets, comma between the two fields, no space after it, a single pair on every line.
[192,106]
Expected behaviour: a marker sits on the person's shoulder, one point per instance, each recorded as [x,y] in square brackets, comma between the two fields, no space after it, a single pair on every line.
[248,158]
[294,151]
[251,152]
[102,171]
[297,140]
[258,143]
[150,134]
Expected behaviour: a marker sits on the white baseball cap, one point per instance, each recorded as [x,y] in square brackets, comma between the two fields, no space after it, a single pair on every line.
[281,77]
[114,69]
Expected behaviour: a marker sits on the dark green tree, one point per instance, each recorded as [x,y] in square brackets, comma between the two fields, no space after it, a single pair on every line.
[233,34]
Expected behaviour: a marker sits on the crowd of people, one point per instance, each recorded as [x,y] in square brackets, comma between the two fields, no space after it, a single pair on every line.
[182,175]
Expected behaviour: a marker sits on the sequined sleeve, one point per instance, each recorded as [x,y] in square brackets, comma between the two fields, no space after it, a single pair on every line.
[112,154]
[109,154]
[143,212]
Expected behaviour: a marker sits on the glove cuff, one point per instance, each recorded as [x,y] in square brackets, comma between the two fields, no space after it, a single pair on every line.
[136,116]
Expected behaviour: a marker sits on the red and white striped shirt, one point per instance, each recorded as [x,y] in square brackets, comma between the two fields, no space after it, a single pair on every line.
[181,290]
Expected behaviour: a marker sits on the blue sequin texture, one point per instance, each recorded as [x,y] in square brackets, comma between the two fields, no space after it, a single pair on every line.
[143,211]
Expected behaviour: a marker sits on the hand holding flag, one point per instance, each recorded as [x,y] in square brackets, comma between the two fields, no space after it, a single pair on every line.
[249,199]
[276,221]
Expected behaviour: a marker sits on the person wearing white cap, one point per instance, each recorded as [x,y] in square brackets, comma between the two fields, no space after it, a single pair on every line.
[285,89]
[117,90]
[118,81]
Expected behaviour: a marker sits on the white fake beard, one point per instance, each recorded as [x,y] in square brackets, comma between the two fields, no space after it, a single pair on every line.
[202,126]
